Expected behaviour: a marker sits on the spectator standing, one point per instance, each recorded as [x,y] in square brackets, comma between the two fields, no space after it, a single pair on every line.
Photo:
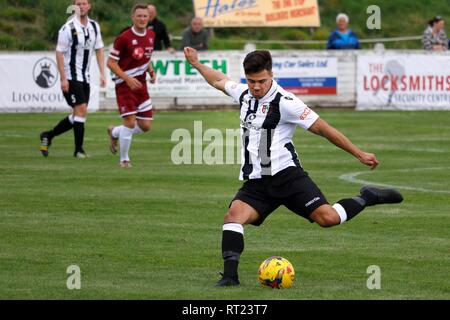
[160,30]
[195,36]
[343,37]
[434,37]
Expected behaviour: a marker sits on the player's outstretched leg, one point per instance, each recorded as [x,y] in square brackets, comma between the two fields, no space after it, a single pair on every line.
[112,140]
[346,209]
[46,142]
[46,137]
[373,195]
[124,135]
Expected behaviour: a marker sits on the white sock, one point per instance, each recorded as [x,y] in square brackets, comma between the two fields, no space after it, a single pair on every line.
[137,130]
[79,119]
[126,134]
[236,227]
[116,132]
[71,119]
[341,212]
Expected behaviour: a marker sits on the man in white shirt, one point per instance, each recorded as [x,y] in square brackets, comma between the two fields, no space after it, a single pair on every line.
[77,41]
[271,168]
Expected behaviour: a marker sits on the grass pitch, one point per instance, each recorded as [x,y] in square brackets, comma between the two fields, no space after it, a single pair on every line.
[154,231]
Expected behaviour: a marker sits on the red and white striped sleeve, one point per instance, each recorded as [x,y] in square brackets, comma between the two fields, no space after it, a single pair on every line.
[117,49]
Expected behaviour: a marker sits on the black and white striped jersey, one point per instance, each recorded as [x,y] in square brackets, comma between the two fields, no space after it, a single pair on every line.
[267,127]
[78,42]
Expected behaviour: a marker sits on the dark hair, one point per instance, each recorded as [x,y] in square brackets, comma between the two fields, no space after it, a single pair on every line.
[257,61]
[139,6]
[435,20]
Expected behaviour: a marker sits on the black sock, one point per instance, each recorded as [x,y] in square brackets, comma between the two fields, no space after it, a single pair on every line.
[63,126]
[78,131]
[352,206]
[232,248]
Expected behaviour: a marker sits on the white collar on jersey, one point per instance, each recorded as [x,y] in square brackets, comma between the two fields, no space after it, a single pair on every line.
[78,22]
[137,33]
[273,89]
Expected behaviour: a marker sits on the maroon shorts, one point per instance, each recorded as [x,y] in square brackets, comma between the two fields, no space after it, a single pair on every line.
[135,102]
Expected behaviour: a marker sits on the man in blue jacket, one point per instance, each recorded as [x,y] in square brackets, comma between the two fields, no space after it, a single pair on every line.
[343,37]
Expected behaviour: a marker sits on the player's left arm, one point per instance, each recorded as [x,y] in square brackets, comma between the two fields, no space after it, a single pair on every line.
[152,73]
[322,128]
[100,54]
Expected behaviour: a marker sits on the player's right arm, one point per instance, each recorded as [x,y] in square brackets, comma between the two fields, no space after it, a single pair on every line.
[62,47]
[118,50]
[215,78]
[63,79]
[133,83]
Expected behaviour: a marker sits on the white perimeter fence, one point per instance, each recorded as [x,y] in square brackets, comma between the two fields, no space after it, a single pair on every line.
[365,79]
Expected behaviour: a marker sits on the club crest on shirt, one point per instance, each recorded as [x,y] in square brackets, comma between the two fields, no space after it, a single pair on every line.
[134,42]
[265,108]
[88,44]
[138,53]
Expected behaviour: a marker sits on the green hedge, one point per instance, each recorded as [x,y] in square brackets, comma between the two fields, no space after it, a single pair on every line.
[18,14]
[399,17]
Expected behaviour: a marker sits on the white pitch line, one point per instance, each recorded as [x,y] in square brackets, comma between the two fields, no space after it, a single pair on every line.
[351,177]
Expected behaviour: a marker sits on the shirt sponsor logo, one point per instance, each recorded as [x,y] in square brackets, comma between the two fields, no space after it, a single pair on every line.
[251,117]
[312,201]
[305,113]
[249,126]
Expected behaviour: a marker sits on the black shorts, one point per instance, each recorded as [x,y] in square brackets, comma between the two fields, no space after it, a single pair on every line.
[291,187]
[78,93]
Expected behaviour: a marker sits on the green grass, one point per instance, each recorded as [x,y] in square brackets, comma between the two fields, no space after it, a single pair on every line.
[154,231]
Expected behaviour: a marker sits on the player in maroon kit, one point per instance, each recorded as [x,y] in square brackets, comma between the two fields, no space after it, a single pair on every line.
[129,60]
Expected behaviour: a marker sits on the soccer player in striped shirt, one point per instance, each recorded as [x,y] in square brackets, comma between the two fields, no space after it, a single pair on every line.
[78,39]
[271,167]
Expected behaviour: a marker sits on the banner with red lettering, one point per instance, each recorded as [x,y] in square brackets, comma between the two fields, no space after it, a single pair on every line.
[258,13]
[403,82]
